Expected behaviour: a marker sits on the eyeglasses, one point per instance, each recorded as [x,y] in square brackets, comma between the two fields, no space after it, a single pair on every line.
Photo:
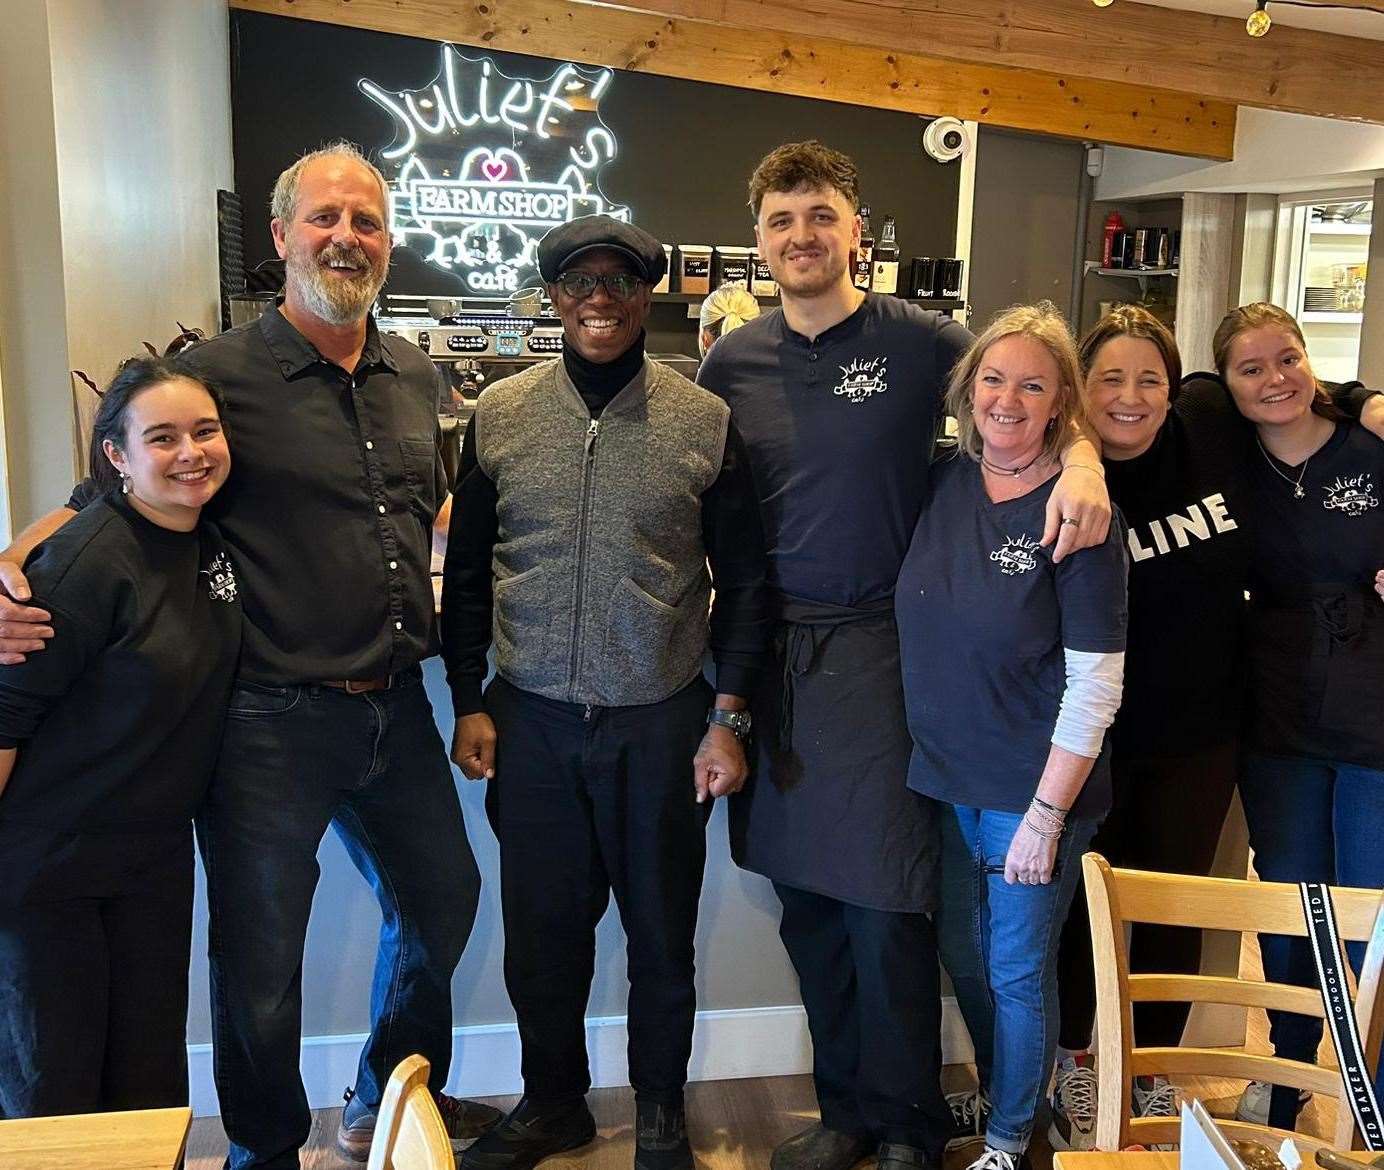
[580,285]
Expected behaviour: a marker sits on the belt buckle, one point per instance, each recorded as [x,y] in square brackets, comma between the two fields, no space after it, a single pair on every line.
[364,686]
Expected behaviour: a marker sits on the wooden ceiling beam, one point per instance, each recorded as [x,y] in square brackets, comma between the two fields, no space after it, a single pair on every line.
[880,76]
[1196,53]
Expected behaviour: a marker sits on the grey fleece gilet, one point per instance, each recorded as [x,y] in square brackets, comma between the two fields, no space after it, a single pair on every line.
[601,583]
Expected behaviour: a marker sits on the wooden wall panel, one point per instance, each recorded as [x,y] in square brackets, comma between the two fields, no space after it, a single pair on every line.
[1190,52]
[808,66]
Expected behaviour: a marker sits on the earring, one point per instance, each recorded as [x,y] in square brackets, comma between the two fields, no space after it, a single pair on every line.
[124,484]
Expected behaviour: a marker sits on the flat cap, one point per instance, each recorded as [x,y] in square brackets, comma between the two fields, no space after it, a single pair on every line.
[567,241]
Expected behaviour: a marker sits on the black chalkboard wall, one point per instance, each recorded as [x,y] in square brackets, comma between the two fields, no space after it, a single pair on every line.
[686,149]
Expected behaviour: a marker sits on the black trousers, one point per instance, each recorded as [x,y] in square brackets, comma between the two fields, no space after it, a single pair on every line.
[870,984]
[93,990]
[586,802]
[1149,828]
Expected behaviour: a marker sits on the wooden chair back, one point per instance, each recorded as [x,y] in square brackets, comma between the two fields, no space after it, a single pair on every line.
[409,1133]
[1119,896]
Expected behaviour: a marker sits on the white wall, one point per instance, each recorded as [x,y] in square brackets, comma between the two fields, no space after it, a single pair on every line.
[115,133]
[141,90]
[33,322]
[1274,152]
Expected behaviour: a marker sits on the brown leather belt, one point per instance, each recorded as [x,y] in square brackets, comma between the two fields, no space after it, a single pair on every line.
[360,686]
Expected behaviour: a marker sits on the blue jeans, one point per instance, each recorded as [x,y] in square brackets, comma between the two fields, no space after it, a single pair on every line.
[1309,821]
[295,760]
[999,945]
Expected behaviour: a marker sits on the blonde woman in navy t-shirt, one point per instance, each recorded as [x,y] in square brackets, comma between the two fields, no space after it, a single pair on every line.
[1012,670]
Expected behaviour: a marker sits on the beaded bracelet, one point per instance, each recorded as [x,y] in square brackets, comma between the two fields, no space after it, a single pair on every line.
[1056,810]
[1048,834]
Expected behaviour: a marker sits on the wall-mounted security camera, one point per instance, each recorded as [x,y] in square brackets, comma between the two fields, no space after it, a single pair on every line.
[946,139]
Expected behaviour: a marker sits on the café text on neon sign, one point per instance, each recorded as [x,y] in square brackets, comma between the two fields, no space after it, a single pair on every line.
[482,165]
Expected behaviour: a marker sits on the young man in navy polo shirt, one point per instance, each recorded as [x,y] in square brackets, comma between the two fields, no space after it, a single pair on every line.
[838,397]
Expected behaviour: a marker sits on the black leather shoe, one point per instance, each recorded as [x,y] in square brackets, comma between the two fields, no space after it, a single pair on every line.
[532,1132]
[464,1120]
[820,1148]
[660,1137]
[896,1156]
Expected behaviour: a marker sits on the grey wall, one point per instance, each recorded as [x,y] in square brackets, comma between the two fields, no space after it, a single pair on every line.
[739,960]
[1025,221]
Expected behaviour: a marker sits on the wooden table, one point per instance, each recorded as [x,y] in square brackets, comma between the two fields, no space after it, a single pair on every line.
[141,1139]
[1161,1160]
[1130,1160]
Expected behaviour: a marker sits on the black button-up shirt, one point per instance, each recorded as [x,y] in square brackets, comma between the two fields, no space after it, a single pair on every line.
[335,481]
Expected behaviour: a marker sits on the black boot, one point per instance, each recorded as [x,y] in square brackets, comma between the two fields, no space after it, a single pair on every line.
[532,1131]
[660,1137]
[820,1148]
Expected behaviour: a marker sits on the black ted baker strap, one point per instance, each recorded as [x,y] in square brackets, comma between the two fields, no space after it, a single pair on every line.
[1317,909]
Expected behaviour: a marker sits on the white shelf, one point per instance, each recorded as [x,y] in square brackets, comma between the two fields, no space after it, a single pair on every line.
[1333,228]
[1136,273]
[1308,317]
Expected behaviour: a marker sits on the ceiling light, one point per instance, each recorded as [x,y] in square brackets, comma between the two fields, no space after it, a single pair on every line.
[1259,21]
[1102,3]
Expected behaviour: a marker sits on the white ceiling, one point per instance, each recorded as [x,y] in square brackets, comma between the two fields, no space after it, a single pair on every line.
[1347,22]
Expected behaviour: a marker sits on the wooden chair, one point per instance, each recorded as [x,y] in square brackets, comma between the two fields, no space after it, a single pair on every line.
[409,1134]
[1117,896]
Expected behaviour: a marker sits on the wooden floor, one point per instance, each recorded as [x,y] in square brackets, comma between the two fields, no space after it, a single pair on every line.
[735,1125]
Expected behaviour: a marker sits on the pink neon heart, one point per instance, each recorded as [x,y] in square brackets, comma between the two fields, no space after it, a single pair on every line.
[495,170]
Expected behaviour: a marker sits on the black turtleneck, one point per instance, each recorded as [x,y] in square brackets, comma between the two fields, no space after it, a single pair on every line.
[731,532]
[599,382]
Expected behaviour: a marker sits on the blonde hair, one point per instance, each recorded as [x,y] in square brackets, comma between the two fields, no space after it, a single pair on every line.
[729,307]
[284,198]
[1046,325]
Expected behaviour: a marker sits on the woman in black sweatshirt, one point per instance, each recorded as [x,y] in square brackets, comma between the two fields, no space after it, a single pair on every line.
[1313,778]
[107,740]
[1180,464]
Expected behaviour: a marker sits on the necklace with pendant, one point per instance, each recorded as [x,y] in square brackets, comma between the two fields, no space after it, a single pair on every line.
[1015,472]
[1298,493]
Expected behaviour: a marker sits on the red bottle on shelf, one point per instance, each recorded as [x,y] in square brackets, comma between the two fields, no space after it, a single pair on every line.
[1113,223]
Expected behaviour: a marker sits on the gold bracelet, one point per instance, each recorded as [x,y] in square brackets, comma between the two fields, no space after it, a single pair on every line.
[1100,471]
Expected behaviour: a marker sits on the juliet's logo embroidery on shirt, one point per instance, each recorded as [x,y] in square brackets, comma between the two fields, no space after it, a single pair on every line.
[1016,556]
[221,578]
[861,379]
[1353,495]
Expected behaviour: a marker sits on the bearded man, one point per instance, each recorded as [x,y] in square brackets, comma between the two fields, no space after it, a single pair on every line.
[328,513]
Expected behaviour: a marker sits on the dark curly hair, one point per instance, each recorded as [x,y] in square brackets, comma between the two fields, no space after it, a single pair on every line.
[809,166]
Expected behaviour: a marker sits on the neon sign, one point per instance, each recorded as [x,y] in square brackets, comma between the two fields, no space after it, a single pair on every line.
[482,165]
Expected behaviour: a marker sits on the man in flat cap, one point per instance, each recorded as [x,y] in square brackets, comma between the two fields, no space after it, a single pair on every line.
[593,493]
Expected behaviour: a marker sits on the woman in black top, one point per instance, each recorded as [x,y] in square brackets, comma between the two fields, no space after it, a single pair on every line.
[107,739]
[1313,780]
[1175,465]
[1179,463]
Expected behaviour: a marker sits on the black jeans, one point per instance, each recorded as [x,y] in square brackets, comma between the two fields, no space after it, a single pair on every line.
[295,760]
[584,804]
[93,990]
[869,981]
[1148,828]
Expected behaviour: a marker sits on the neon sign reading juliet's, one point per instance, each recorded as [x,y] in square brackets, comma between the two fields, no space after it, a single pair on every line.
[484,164]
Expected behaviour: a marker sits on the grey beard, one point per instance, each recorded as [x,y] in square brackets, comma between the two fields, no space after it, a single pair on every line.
[334,301]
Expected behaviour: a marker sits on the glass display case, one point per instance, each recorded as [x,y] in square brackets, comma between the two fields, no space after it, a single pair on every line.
[1321,270]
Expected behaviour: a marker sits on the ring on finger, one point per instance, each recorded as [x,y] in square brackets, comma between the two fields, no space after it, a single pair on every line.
[1072,520]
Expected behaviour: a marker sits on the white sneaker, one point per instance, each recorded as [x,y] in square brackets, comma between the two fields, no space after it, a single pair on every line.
[1157,1100]
[1253,1106]
[970,1111]
[994,1159]
[1073,1101]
